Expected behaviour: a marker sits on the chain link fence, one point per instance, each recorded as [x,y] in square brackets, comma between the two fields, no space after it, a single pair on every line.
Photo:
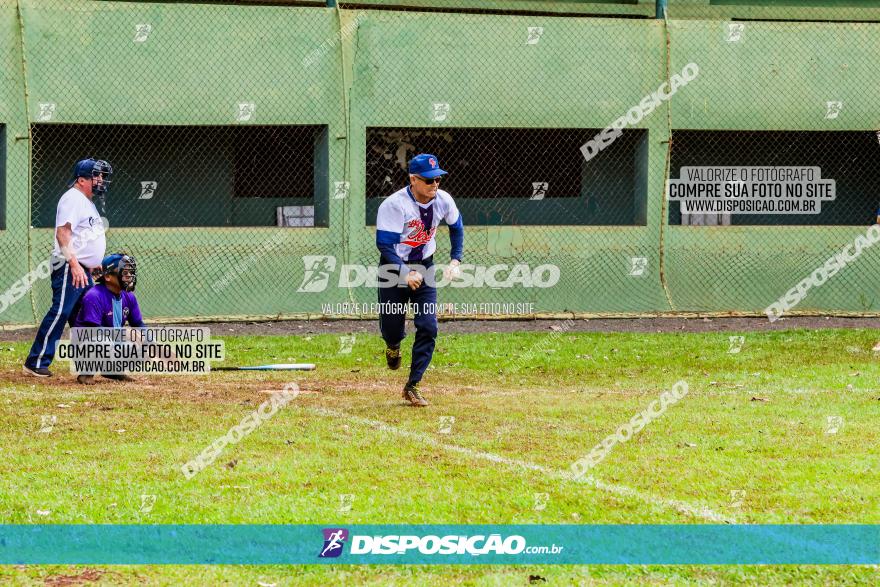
[252,146]
[786,90]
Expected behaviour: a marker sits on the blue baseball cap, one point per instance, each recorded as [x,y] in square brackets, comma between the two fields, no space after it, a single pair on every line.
[425,165]
[83,168]
[111,261]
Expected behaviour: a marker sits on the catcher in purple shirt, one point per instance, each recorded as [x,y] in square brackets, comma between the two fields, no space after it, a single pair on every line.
[111,303]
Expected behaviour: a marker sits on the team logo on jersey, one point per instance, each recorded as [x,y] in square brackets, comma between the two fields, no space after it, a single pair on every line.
[125,312]
[334,541]
[418,235]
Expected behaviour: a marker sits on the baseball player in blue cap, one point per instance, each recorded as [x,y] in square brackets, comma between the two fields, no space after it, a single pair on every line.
[405,227]
[111,303]
[79,247]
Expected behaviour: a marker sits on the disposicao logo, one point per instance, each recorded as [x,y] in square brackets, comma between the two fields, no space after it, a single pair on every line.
[334,540]
[409,545]
[447,545]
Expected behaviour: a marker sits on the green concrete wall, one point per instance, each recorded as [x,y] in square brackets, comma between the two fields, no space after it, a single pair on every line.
[202,60]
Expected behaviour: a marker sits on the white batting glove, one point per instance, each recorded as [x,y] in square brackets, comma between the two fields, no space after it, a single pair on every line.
[452,271]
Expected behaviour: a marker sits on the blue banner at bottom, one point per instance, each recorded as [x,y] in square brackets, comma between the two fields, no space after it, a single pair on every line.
[440,544]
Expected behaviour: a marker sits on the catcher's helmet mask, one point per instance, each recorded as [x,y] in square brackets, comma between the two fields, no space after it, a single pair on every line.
[93,169]
[123,266]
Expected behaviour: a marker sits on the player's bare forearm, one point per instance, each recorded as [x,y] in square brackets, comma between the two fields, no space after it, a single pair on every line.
[64,234]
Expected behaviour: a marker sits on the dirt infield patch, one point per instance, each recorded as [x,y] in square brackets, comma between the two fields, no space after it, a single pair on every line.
[86,576]
[310,327]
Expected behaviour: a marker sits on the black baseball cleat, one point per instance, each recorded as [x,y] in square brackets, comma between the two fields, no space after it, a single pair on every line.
[392,357]
[412,394]
[37,372]
[85,379]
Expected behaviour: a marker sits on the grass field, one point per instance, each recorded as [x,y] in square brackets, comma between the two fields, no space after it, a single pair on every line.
[750,443]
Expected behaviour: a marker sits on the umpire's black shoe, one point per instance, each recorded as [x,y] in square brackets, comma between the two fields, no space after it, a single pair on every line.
[392,357]
[412,394]
[36,372]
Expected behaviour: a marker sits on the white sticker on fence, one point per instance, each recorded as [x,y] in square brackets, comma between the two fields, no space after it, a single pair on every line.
[440,111]
[534,35]
[142,32]
[47,111]
[148,190]
[539,190]
[638,266]
[246,111]
[833,109]
[735,32]
[340,190]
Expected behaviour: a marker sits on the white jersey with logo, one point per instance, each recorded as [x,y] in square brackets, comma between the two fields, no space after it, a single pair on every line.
[400,213]
[89,242]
